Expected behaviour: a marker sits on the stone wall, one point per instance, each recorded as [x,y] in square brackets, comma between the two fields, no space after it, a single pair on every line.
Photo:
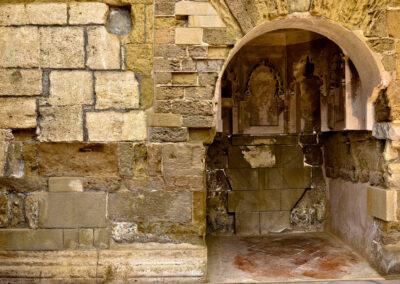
[104,111]
[263,185]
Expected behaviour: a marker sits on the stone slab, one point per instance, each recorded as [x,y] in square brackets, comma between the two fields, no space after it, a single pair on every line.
[103,49]
[188,8]
[72,210]
[17,113]
[274,222]
[87,13]
[247,223]
[27,239]
[65,184]
[382,203]
[16,82]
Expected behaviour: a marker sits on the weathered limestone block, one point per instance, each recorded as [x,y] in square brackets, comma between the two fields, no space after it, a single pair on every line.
[243,179]
[71,238]
[298,5]
[382,203]
[186,8]
[183,160]
[247,223]
[17,113]
[290,197]
[30,240]
[87,13]
[188,36]
[72,209]
[15,82]
[139,57]
[197,121]
[101,238]
[34,14]
[32,210]
[392,22]
[103,49]
[116,126]
[274,222]
[386,130]
[70,88]
[187,79]
[61,47]
[150,206]
[116,90]
[59,124]
[206,22]
[16,203]
[20,47]
[185,107]
[85,238]
[254,201]
[5,137]
[65,184]
[165,120]
[168,134]
[4,210]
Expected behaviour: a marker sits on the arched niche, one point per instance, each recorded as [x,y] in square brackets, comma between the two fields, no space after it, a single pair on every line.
[359,113]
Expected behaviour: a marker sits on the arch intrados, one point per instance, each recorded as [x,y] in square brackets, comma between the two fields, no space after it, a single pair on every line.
[370,70]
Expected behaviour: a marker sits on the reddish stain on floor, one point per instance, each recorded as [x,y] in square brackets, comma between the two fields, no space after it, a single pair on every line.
[294,256]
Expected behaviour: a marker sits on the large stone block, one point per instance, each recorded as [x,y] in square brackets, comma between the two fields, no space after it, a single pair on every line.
[139,57]
[188,36]
[17,113]
[243,179]
[247,223]
[183,160]
[28,240]
[382,203]
[65,184]
[188,8]
[117,90]
[165,120]
[62,47]
[59,124]
[78,159]
[72,210]
[116,126]
[274,222]
[87,13]
[70,88]
[206,22]
[15,82]
[47,13]
[254,201]
[20,47]
[150,206]
[103,49]
[13,14]
[168,134]
[290,197]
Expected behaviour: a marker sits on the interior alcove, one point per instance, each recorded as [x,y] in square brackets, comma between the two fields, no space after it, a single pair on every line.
[286,97]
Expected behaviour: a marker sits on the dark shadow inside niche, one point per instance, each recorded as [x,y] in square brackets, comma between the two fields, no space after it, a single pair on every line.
[119,20]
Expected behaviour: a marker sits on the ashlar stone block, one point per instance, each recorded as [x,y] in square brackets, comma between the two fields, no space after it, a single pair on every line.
[188,8]
[382,203]
[61,47]
[206,22]
[46,13]
[254,201]
[87,13]
[183,160]
[20,47]
[247,223]
[64,123]
[70,88]
[116,90]
[27,239]
[17,113]
[73,210]
[18,82]
[13,14]
[65,184]
[243,179]
[103,49]
[274,222]
[116,126]
[188,36]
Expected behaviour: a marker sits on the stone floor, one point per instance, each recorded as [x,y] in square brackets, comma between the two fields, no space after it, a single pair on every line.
[286,258]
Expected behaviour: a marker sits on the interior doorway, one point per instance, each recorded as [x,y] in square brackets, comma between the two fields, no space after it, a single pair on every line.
[285,96]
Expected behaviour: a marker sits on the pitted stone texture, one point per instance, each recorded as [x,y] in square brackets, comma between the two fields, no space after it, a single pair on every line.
[65,184]
[61,47]
[62,123]
[72,209]
[87,13]
[116,90]
[151,206]
[77,159]
[119,21]
[17,113]
[34,14]
[168,134]
[183,160]
[29,240]
[20,47]
[4,210]
[15,82]
[116,126]
[103,49]
[70,88]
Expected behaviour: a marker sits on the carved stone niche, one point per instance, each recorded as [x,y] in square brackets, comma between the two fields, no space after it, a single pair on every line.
[262,110]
